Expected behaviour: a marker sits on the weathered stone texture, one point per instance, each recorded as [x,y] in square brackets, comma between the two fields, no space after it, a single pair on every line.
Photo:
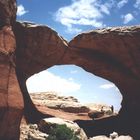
[7,12]
[38,47]
[111,53]
[11,102]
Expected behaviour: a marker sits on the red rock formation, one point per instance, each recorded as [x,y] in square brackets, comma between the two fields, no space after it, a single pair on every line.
[11,101]
[7,12]
[11,104]
[112,53]
[38,48]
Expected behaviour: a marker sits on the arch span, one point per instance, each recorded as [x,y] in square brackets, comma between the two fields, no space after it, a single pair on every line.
[111,53]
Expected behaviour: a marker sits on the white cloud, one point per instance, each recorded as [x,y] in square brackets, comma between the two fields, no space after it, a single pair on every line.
[21,10]
[83,12]
[127,18]
[137,4]
[122,3]
[73,71]
[105,9]
[107,86]
[71,79]
[73,30]
[47,81]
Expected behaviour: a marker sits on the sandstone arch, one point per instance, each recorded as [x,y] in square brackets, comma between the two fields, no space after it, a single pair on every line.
[112,53]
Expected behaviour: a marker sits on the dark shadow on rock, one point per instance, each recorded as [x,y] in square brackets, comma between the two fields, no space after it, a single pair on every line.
[108,125]
[31,113]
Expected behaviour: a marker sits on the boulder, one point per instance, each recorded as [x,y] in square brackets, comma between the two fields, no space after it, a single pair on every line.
[31,132]
[107,138]
[50,122]
[100,138]
[124,138]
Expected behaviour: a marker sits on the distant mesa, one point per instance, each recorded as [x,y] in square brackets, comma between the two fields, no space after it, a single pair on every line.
[70,104]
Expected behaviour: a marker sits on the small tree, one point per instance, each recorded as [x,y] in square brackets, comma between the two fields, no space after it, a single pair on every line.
[61,132]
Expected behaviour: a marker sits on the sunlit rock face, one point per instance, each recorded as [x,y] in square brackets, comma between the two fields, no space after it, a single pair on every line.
[11,101]
[111,53]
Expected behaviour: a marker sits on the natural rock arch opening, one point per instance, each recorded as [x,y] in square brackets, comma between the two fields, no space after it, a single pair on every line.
[71,80]
[92,51]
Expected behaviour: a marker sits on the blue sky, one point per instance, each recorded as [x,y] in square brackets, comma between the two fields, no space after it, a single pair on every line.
[70,17]
[70,80]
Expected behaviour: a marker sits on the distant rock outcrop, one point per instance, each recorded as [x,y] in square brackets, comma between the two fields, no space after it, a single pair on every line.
[67,104]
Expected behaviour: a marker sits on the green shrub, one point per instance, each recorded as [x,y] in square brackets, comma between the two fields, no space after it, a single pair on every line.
[62,132]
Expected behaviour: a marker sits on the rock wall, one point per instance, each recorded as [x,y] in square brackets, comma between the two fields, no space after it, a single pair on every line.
[111,53]
[114,54]
[7,12]
[11,101]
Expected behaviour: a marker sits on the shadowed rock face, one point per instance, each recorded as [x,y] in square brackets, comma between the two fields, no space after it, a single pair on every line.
[112,53]
[38,48]
[7,12]
[11,100]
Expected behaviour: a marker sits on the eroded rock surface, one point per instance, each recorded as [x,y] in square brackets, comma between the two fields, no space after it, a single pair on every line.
[42,130]
[114,54]
[7,12]
[11,101]
[50,122]
[111,53]
[38,47]
[34,55]
[31,132]
[52,100]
